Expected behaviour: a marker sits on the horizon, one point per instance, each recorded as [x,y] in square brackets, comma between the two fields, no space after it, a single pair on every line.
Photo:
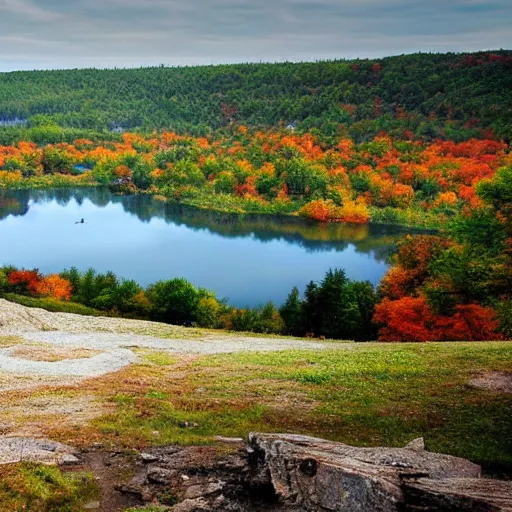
[107,34]
[263,62]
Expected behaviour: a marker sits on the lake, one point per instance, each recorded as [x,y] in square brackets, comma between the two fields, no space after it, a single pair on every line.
[247,260]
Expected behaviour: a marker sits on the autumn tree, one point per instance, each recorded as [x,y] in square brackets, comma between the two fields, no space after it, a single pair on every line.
[55,287]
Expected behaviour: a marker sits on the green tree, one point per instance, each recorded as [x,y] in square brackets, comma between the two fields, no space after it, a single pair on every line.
[339,308]
[174,301]
[292,313]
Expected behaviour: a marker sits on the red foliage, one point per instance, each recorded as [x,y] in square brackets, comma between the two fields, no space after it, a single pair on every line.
[28,278]
[470,61]
[349,108]
[50,286]
[377,107]
[405,319]
[411,319]
[229,112]
[248,188]
[469,322]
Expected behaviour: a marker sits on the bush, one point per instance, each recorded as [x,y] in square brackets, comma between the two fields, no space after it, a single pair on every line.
[208,312]
[174,301]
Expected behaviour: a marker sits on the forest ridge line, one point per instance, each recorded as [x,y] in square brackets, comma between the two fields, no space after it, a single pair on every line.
[432,95]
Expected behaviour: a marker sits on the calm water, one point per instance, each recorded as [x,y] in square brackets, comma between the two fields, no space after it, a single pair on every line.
[246,260]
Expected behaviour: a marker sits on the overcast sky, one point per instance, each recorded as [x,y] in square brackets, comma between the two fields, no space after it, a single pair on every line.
[36,34]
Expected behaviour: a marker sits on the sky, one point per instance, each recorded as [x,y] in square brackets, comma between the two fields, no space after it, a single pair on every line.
[51,34]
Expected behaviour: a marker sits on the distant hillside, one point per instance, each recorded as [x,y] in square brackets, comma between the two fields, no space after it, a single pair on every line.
[449,95]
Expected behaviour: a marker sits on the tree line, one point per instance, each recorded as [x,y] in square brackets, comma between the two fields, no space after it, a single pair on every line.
[454,287]
[454,96]
[387,180]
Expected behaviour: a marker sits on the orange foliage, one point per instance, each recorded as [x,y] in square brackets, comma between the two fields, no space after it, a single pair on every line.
[122,171]
[248,188]
[398,282]
[352,212]
[268,169]
[411,267]
[319,210]
[381,172]
[283,193]
[446,199]
[54,286]
[468,194]
[339,176]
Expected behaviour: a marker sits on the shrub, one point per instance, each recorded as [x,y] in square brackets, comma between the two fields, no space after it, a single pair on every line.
[174,301]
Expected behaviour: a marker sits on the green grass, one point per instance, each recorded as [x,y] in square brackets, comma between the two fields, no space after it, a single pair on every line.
[56,306]
[37,488]
[412,217]
[49,181]
[160,358]
[362,394]
[229,203]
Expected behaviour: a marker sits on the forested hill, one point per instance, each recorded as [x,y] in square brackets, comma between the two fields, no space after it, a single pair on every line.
[430,95]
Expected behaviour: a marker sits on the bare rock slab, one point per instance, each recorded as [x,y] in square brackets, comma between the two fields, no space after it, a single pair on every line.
[459,495]
[44,451]
[315,474]
[292,473]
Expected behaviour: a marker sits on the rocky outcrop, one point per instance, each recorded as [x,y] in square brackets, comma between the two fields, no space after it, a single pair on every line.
[315,474]
[29,449]
[459,494]
[291,473]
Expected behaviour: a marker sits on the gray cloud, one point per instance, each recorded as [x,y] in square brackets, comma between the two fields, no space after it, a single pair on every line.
[106,33]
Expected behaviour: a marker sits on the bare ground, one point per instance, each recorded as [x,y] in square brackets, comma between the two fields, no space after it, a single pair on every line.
[69,347]
[41,352]
[493,381]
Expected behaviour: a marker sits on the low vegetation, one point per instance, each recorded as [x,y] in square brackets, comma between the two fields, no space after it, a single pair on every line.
[363,394]
[417,140]
[38,488]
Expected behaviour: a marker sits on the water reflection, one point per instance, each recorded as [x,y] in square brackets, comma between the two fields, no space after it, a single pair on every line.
[248,259]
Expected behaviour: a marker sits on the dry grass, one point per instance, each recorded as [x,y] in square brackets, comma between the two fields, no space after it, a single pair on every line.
[10,341]
[51,354]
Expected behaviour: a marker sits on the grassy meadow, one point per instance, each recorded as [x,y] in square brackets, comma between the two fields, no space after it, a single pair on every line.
[362,394]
